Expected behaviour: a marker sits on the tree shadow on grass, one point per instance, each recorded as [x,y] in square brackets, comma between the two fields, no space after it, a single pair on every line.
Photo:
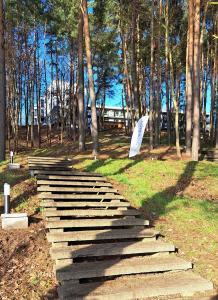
[156,206]
[103,163]
[160,201]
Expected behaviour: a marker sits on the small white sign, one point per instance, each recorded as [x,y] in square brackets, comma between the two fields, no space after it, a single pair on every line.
[138,136]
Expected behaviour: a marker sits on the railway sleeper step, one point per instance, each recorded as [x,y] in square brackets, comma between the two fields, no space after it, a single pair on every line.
[88,196]
[117,267]
[110,249]
[72,178]
[90,213]
[99,235]
[74,204]
[73,183]
[90,223]
[45,188]
[177,285]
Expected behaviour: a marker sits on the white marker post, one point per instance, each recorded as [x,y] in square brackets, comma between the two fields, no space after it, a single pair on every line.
[11,157]
[7,198]
[12,220]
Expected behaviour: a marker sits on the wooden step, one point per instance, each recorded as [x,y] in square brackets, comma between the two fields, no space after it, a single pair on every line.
[47,203]
[115,267]
[161,286]
[47,166]
[109,196]
[47,158]
[74,190]
[97,223]
[50,163]
[72,183]
[91,213]
[71,172]
[97,235]
[72,178]
[110,249]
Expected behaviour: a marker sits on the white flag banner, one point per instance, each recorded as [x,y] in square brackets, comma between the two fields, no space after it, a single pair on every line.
[138,136]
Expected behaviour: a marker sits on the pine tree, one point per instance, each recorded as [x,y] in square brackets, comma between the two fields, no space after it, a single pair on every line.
[94,128]
[3,86]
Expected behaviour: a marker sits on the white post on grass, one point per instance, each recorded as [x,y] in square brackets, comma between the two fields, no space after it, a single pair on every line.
[6,198]
[11,157]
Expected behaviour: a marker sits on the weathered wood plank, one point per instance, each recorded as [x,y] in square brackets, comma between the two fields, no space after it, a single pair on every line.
[91,213]
[47,203]
[68,177]
[73,183]
[109,249]
[71,172]
[145,287]
[43,161]
[88,223]
[48,158]
[116,267]
[48,166]
[110,196]
[94,235]
[74,189]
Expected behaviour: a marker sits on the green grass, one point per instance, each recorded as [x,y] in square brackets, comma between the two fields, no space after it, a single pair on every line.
[158,187]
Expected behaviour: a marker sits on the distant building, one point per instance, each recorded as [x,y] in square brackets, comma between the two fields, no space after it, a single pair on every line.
[55,98]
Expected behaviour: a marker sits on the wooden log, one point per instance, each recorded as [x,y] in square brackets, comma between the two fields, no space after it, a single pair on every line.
[73,183]
[72,178]
[94,235]
[38,169]
[111,196]
[52,203]
[87,223]
[47,158]
[52,162]
[47,166]
[170,286]
[76,190]
[71,172]
[91,213]
[115,267]
[110,249]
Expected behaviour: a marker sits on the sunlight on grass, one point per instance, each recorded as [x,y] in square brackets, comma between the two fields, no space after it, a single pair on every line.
[158,187]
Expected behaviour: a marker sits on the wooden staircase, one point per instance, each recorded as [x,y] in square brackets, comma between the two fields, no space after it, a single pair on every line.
[102,248]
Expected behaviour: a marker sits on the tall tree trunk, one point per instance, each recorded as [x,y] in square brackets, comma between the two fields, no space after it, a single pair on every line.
[126,74]
[151,106]
[216,78]
[159,81]
[94,129]
[202,70]
[189,77]
[196,80]
[167,71]
[81,85]
[213,95]
[175,98]
[3,86]
[135,81]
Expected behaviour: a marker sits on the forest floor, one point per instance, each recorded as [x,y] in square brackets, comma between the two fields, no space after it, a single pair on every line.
[179,197]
